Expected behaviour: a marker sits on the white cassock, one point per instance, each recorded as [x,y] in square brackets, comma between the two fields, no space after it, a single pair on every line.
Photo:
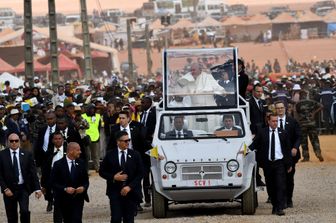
[206,86]
[203,84]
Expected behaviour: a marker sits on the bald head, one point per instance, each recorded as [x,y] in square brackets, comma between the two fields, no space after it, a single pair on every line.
[73,150]
[14,141]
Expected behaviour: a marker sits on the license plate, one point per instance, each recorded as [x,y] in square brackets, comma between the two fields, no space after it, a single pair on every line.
[202,183]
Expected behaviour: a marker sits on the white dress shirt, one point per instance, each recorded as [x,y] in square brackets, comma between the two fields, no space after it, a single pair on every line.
[278,151]
[47,135]
[21,181]
[120,153]
[145,116]
[283,121]
[69,161]
[58,155]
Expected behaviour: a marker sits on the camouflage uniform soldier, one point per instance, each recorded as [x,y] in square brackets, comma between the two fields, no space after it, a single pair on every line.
[306,111]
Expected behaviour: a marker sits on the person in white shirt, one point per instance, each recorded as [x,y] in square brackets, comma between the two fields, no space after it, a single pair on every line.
[201,86]
[55,152]
[59,98]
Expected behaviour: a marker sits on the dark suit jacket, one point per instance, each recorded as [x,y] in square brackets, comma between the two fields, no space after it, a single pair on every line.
[150,124]
[46,165]
[293,129]
[39,153]
[12,127]
[73,136]
[137,137]
[28,169]
[133,168]
[186,134]
[257,116]
[261,144]
[60,179]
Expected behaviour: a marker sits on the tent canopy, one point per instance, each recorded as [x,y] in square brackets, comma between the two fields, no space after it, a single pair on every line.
[308,16]
[208,21]
[156,25]
[258,19]
[38,67]
[284,18]
[330,17]
[15,82]
[5,67]
[66,64]
[233,21]
[182,23]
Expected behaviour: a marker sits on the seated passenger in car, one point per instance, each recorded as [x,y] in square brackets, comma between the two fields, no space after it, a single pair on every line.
[229,125]
[178,131]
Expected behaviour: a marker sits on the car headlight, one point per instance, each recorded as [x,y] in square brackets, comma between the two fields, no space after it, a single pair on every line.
[232,165]
[170,167]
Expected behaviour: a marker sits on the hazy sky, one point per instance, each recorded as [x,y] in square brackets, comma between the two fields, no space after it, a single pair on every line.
[66,6]
[41,6]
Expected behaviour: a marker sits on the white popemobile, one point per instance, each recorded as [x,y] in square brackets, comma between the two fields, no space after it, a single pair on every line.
[202,133]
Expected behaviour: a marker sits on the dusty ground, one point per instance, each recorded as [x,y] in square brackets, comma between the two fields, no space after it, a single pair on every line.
[299,50]
[314,200]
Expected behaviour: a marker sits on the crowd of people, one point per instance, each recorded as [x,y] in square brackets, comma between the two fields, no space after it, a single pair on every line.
[78,126]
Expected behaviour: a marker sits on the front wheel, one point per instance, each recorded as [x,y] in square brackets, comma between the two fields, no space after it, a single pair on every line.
[249,200]
[159,204]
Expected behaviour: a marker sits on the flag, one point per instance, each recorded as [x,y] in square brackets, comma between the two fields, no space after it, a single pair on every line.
[245,149]
[153,152]
[32,101]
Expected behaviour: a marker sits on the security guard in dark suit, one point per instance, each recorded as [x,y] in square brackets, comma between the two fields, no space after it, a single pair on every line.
[275,159]
[123,170]
[70,182]
[18,179]
[292,127]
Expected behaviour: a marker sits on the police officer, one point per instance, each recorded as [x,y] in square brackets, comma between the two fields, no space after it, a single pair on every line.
[307,109]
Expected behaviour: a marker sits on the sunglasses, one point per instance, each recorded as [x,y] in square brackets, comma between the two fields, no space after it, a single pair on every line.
[126,140]
[13,140]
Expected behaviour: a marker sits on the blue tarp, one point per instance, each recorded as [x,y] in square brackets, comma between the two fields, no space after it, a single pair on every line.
[331,28]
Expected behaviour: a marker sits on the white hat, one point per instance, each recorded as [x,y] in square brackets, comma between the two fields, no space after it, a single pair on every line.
[18,99]
[130,100]
[296,87]
[14,111]
[36,78]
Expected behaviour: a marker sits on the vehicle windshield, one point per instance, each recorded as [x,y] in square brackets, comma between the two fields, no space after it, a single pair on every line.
[201,125]
[200,78]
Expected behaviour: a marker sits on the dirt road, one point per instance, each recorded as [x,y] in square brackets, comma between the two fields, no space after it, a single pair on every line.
[314,200]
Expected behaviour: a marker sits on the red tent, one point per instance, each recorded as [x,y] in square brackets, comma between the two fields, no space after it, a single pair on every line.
[5,67]
[66,64]
[38,67]
[95,54]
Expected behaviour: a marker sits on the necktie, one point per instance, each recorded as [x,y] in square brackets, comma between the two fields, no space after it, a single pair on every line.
[144,118]
[72,173]
[179,135]
[57,150]
[50,131]
[260,105]
[122,160]
[16,167]
[273,146]
[64,134]
[281,124]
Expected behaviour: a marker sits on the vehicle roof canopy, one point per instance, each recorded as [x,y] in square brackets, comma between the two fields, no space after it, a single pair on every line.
[200,79]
